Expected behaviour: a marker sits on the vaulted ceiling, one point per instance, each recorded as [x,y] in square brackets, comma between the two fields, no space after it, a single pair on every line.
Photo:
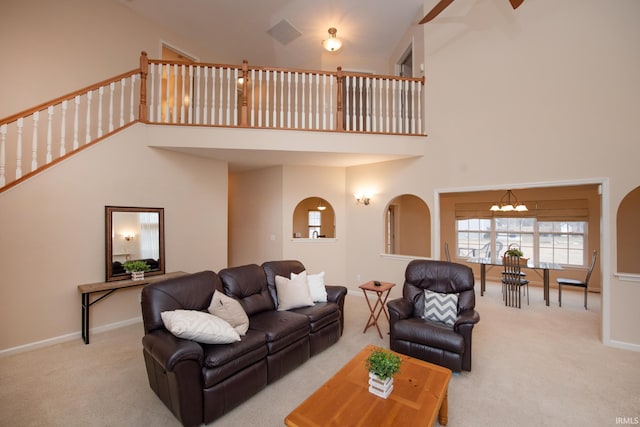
[240,29]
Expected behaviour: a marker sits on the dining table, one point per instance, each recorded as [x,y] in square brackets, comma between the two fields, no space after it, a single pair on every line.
[533,265]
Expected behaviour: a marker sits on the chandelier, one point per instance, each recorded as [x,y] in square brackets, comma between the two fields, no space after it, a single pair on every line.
[509,203]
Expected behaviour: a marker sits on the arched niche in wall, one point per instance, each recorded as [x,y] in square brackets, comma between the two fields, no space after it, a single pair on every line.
[313,218]
[628,233]
[407,226]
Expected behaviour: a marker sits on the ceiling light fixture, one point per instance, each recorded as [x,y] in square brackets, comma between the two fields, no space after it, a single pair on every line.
[321,206]
[506,205]
[333,43]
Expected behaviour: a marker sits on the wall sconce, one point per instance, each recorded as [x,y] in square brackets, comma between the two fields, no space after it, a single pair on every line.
[332,43]
[507,205]
[128,236]
[363,198]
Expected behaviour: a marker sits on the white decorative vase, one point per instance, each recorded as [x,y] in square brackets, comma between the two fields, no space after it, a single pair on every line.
[137,275]
[380,387]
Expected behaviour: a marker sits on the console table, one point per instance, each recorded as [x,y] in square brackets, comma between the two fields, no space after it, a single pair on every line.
[107,288]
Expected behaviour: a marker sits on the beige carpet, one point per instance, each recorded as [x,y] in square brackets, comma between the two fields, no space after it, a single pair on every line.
[538,366]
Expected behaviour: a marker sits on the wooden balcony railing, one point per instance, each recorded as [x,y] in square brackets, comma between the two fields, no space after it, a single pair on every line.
[207,95]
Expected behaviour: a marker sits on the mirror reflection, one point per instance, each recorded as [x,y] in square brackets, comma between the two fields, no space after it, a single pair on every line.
[134,234]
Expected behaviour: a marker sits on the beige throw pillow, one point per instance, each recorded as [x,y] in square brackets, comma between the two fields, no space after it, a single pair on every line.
[230,310]
[199,326]
[293,293]
[316,285]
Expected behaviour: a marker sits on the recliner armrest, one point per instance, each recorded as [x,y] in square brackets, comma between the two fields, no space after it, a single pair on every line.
[399,309]
[168,350]
[336,293]
[466,317]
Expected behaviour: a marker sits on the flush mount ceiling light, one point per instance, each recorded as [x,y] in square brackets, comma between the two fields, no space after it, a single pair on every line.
[321,206]
[507,205]
[333,43]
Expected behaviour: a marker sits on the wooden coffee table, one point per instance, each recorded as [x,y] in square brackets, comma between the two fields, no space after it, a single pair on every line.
[419,394]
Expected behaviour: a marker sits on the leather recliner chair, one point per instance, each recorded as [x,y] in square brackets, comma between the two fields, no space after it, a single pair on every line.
[429,340]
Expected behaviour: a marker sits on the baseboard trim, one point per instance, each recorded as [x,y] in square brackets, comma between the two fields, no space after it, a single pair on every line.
[68,337]
[623,345]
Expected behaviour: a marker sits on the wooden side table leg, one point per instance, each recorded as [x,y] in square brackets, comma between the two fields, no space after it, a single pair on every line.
[443,414]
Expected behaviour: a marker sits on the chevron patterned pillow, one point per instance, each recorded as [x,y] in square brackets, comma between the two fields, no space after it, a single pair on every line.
[440,307]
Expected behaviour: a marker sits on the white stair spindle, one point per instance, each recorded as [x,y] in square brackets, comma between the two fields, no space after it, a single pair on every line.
[49,133]
[19,149]
[347,103]
[253,98]
[303,111]
[295,102]
[198,94]
[75,122]
[213,95]
[34,142]
[87,134]
[228,110]
[167,70]
[152,69]
[220,78]
[123,85]
[100,95]
[289,99]
[112,87]
[182,70]
[374,122]
[324,102]
[317,126]
[412,109]
[267,112]
[63,129]
[235,97]
[205,97]
[419,105]
[281,99]
[380,113]
[132,116]
[360,104]
[174,109]
[331,112]
[393,105]
[3,160]
[260,73]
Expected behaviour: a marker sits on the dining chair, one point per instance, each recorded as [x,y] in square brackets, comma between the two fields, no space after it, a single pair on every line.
[447,255]
[513,282]
[578,283]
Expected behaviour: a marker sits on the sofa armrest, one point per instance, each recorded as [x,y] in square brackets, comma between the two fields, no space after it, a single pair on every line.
[467,317]
[168,350]
[399,309]
[336,294]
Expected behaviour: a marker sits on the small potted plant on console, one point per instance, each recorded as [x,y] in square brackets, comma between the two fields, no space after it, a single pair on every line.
[382,366]
[514,250]
[136,268]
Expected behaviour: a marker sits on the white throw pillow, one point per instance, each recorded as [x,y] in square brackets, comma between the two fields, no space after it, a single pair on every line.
[230,310]
[199,326]
[293,293]
[440,307]
[316,285]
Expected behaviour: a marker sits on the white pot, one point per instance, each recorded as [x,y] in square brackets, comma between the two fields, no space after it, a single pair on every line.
[137,275]
[380,387]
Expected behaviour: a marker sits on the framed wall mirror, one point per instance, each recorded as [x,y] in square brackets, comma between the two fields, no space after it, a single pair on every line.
[131,234]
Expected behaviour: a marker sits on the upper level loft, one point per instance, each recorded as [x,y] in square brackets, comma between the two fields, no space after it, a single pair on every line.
[224,97]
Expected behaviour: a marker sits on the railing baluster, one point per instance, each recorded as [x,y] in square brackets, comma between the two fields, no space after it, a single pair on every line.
[132,116]
[87,133]
[260,72]
[213,95]
[281,98]
[19,149]
[267,112]
[49,132]
[123,84]
[419,112]
[76,142]
[34,142]
[274,122]
[152,69]
[317,126]
[100,95]
[331,126]
[253,97]
[63,129]
[289,99]
[374,122]
[226,122]
[295,101]
[235,109]
[112,87]
[182,72]
[3,160]
[302,102]
[198,94]
[360,103]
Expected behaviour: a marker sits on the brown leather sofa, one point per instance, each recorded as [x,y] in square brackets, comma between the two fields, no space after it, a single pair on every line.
[434,341]
[201,382]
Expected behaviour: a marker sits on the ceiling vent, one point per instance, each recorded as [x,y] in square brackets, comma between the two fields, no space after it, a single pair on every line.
[284,32]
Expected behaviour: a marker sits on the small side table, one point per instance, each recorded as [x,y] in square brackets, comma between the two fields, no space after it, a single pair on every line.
[382,293]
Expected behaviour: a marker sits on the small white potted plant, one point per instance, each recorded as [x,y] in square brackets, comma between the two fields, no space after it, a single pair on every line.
[382,365]
[136,268]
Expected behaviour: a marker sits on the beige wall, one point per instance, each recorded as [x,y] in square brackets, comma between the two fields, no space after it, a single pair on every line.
[53,231]
[554,84]
[255,216]
[51,48]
